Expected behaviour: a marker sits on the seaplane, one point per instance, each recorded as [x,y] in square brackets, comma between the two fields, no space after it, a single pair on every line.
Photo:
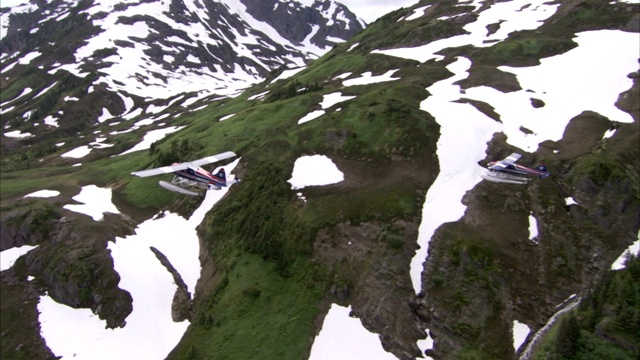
[189,176]
[507,171]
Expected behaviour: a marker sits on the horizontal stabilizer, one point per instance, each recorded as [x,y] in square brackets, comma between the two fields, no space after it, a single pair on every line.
[178,189]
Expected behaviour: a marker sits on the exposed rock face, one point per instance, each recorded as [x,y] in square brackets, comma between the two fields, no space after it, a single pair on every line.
[478,279]
[20,325]
[296,22]
[181,305]
[371,265]
[74,267]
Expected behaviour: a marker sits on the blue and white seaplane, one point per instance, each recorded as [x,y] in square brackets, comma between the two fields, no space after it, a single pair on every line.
[189,176]
[507,171]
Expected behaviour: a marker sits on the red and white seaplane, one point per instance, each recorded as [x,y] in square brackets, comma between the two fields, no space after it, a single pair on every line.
[507,171]
[190,176]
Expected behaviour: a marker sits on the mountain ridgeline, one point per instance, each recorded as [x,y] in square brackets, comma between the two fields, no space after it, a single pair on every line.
[100,76]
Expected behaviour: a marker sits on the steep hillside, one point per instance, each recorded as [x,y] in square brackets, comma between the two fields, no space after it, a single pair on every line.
[385,108]
[70,66]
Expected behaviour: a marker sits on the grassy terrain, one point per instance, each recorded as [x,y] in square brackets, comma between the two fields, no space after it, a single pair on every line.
[263,291]
[254,313]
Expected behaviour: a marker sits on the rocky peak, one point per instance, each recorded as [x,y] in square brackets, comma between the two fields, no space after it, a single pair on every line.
[320,24]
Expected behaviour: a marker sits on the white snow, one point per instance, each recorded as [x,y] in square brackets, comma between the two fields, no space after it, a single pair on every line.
[314,170]
[417,13]
[26,59]
[459,171]
[367,78]
[51,121]
[342,76]
[533,228]
[257,96]
[328,100]
[78,152]
[151,137]
[9,256]
[44,194]
[344,338]
[96,201]
[520,333]
[43,91]
[288,73]
[311,116]
[106,115]
[24,92]
[6,110]
[150,332]
[557,81]
[227,117]
[608,133]
[17,134]
[633,249]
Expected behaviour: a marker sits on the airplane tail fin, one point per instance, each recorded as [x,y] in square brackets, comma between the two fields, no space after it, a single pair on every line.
[543,167]
[220,174]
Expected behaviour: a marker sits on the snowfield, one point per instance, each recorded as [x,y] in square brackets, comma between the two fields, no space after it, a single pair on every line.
[149,333]
[344,337]
[557,81]
[95,202]
[9,256]
[315,170]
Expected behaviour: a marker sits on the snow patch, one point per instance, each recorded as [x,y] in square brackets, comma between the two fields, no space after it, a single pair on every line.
[8,257]
[17,134]
[633,249]
[44,194]
[149,333]
[520,333]
[533,228]
[96,201]
[311,116]
[315,170]
[78,152]
[51,121]
[367,78]
[344,337]
[328,100]
[226,117]
[151,137]
[417,13]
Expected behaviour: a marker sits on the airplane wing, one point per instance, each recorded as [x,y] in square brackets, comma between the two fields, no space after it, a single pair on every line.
[509,160]
[183,166]
[161,170]
[212,158]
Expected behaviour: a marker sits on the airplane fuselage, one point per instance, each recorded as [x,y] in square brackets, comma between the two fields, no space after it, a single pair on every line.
[520,170]
[203,177]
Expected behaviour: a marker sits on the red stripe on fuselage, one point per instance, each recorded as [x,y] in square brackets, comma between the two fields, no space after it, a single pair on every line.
[202,177]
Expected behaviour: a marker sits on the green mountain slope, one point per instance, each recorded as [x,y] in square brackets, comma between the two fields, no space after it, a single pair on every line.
[273,264]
